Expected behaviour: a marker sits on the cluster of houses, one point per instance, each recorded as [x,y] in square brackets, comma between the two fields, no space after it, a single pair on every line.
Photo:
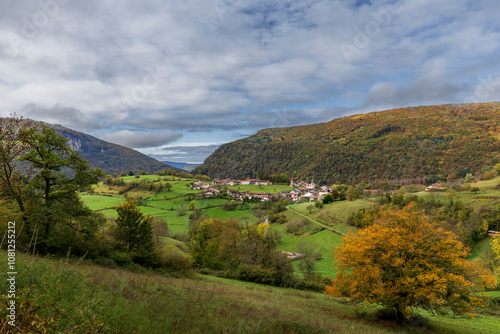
[301,190]
[435,187]
[198,185]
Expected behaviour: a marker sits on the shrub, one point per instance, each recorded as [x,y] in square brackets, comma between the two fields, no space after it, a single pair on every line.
[160,227]
[328,198]
[297,228]
[489,175]
[228,206]
[122,258]
[174,260]
[181,211]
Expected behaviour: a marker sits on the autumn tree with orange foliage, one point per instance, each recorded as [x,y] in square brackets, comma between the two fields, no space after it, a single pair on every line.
[405,260]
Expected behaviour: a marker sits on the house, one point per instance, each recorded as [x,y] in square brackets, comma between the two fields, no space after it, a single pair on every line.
[293,255]
[262,182]
[248,181]
[297,184]
[217,182]
[493,233]
[326,189]
[211,192]
[230,182]
[233,193]
[322,194]
[311,185]
[311,196]
[434,186]
[264,198]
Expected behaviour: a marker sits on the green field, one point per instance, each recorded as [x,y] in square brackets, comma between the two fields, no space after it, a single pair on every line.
[481,247]
[486,196]
[272,189]
[166,204]
[324,241]
[97,202]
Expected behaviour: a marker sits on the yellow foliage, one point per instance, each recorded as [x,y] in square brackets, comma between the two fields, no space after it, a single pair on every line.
[495,246]
[263,229]
[405,260]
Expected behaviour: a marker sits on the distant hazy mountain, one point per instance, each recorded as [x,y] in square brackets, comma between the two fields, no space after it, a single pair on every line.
[414,144]
[185,166]
[111,158]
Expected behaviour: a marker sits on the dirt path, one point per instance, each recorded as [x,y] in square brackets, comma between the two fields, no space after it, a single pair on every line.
[316,221]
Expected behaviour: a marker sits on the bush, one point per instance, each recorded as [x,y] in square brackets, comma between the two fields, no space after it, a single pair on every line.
[174,260]
[260,275]
[297,228]
[489,175]
[181,211]
[388,314]
[160,227]
[105,262]
[181,237]
[122,258]
[328,198]
[228,206]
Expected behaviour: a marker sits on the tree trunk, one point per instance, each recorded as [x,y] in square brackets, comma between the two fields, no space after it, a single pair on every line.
[400,317]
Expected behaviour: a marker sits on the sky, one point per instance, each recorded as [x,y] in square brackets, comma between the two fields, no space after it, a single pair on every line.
[176,79]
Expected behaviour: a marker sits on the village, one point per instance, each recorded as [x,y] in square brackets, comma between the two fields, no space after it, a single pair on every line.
[302,190]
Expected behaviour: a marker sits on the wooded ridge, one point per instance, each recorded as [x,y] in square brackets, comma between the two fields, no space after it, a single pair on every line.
[414,145]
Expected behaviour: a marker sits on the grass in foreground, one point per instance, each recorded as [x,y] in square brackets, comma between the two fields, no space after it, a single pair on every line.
[121,301]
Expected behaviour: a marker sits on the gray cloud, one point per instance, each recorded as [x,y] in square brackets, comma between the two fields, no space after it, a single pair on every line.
[58,114]
[192,149]
[137,139]
[229,65]
[187,154]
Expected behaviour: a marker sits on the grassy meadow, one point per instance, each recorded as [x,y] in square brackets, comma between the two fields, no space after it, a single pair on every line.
[85,298]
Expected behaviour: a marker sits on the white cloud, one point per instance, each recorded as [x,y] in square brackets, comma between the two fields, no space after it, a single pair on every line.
[226,65]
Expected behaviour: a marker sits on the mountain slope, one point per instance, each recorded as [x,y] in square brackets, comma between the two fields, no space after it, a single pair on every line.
[111,158]
[408,144]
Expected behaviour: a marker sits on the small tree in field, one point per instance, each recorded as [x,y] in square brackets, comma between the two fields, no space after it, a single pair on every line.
[475,189]
[404,260]
[469,178]
[168,185]
[137,232]
[308,262]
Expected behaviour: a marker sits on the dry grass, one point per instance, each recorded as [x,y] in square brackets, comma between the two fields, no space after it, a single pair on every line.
[125,301]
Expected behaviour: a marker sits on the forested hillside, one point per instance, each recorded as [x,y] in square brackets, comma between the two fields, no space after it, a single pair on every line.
[111,158]
[414,144]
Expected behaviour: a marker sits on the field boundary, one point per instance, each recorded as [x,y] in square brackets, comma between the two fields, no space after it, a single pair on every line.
[316,222]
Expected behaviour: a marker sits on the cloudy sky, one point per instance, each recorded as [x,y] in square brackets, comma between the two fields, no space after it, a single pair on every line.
[175,79]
